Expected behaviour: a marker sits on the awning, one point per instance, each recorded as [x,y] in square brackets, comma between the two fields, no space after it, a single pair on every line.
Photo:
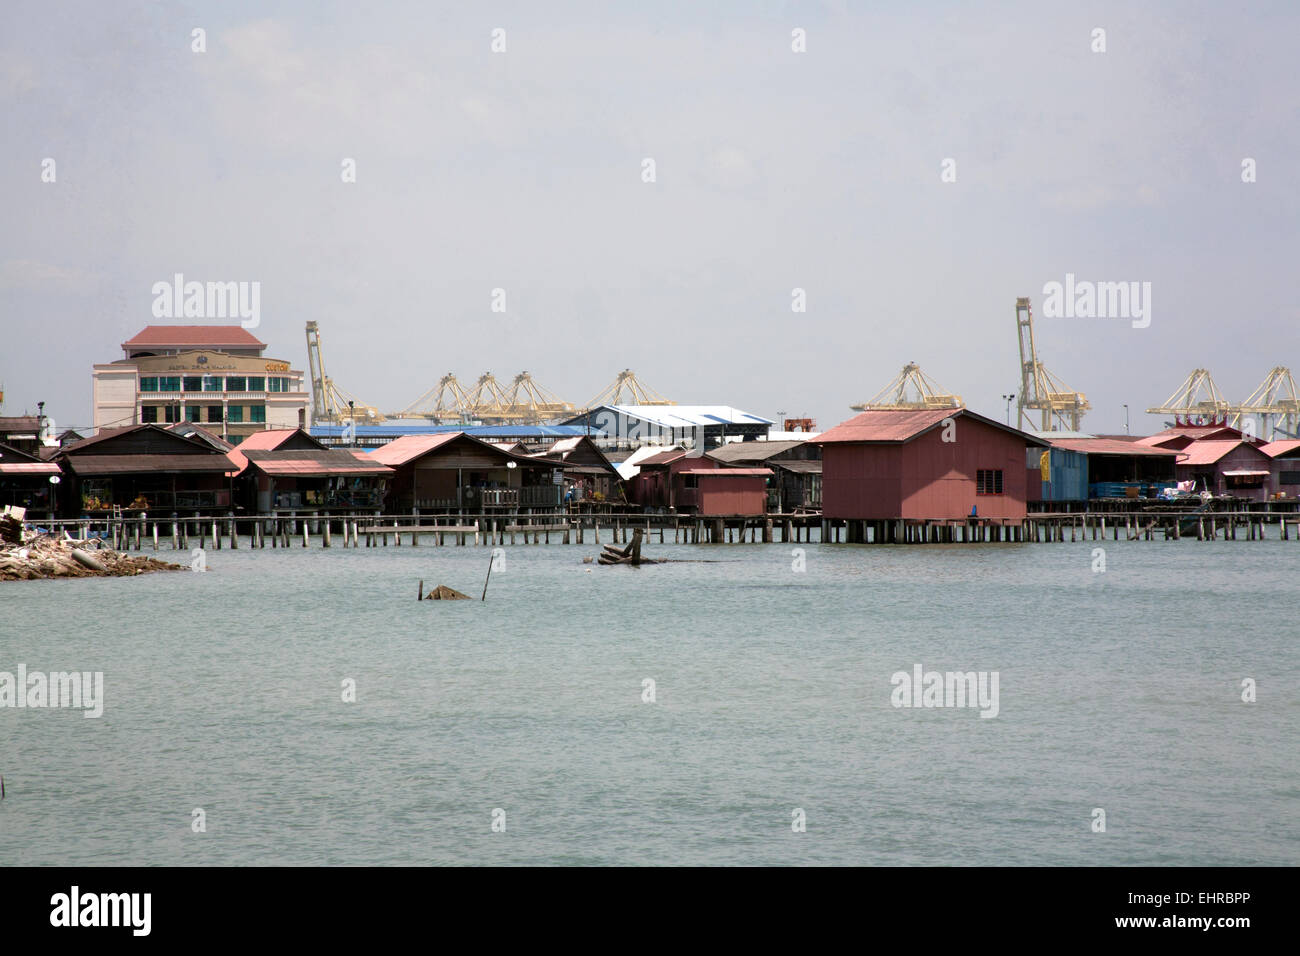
[1247,474]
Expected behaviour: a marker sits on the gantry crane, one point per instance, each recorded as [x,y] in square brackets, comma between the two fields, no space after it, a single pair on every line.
[528,401]
[1041,391]
[910,389]
[637,393]
[1197,401]
[1275,402]
[330,404]
[445,403]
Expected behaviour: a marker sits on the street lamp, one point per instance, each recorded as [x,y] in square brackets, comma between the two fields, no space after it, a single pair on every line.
[352,414]
[1008,399]
[1126,431]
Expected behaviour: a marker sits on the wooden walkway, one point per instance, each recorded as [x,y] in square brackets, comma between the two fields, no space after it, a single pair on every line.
[374,531]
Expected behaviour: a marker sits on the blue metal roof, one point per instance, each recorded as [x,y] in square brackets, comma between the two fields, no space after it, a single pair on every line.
[479,431]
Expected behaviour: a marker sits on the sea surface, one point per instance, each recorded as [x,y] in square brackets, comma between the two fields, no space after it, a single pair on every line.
[1119,690]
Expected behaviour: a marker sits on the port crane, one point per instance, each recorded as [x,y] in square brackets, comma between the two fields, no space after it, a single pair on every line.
[1197,401]
[637,393]
[330,404]
[910,389]
[1059,408]
[1276,403]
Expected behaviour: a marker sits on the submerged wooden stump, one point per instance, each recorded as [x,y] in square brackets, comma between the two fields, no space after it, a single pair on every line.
[444,593]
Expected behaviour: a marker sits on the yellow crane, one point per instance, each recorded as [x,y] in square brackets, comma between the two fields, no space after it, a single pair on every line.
[445,403]
[1059,408]
[637,393]
[911,388]
[528,401]
[1197,401]
[330,404]
[1275,402]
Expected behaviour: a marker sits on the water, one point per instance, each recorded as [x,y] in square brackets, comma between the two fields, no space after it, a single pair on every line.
[1119,690]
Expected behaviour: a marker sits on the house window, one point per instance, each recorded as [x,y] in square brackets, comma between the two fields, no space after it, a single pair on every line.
[1288,478]
[235,383]
[149,384]
[191,413]
[257,413]
[273,384]
[149,414]
[691,481]
[214,413]
[988,481]
[169,383]
[171,414]
[235,413]
[212,383]
[256,383]
[193,383]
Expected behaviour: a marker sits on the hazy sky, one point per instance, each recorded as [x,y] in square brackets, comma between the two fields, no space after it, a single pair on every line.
[522,170]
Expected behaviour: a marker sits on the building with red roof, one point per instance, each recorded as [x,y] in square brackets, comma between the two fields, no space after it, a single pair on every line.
[924,465]
[1227,467]
[214,375]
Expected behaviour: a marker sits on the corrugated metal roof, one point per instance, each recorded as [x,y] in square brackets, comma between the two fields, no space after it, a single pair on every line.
[707,472]
[28,468]
[1275,448]
[135,464]
[104,434]
[477,431]
[1110,446]
[268,440]
[886,425]
[800,466]
[1246,473]
[9,424]
[409,447]
[1195,432]
[313,462]
[1206,452]
[752,450]
[663,457]
[201,336]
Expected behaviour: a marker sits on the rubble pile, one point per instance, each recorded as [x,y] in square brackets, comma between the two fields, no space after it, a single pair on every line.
[35,555]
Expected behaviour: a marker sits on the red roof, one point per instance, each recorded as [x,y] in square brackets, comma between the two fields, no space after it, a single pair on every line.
[726,472]
[1109,446]
[904,424]
[1194,432]
[1208,452]
[197,336]
[268,440]
[1275,448]
[662,458]
[305,462]
[409,447]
